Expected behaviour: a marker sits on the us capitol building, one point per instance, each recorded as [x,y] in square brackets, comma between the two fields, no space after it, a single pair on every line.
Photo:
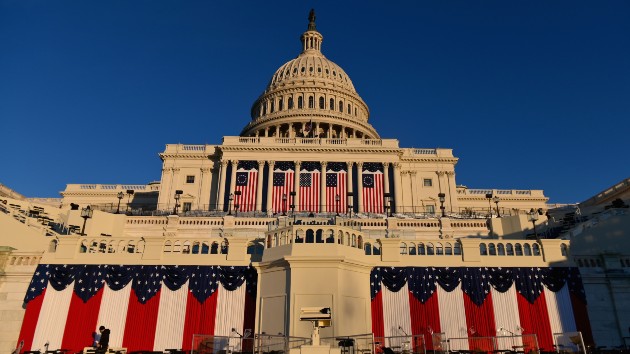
[310,207]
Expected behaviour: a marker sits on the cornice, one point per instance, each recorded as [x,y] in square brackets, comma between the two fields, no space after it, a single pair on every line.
[309,149]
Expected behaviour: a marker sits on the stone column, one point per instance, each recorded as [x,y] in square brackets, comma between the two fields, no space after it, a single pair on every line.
[204,188]
[259,185]
[450,180]
[350,189]
[233,178]
[221,196]
[397,188]
[296,185]
[386,177]
[322,190]
[166,185]
[360,185]
[270,185]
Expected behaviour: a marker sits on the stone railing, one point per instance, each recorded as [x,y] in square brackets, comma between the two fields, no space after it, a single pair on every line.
[481,193]
[283,141]
[112,187]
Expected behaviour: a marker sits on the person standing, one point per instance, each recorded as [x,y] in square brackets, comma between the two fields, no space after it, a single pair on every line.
[103,342]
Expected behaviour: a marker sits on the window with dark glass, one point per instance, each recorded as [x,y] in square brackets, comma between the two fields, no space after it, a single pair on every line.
[190,179]
[300,103]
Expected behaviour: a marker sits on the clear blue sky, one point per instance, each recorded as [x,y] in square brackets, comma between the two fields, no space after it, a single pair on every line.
[529,94]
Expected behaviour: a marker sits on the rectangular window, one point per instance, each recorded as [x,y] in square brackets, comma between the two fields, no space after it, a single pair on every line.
[187,206]
[190,179]
[428,182]
[430,209]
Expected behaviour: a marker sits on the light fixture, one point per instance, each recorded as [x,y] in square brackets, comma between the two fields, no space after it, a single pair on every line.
[442,198]
[86,213]
[496,200]
[120,196]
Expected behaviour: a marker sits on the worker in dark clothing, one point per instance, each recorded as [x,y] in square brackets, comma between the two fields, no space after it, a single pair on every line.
[103,343]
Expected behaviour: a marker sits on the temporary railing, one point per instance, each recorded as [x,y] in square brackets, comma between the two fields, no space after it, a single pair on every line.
[259,343]
[526,343]
[569,342]
[400,344]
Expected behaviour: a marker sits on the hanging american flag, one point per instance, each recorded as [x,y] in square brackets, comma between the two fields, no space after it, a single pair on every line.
[283,175]
[474,303]
[246,183]
[309,186]
[146,308]
[372,187]
[336,185]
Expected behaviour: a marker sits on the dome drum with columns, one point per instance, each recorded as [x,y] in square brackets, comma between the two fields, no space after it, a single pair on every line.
[310,96]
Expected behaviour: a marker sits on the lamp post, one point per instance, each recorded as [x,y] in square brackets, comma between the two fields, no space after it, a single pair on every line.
[237,200]
[489,197]
[86,213]
[496,200]
[292,206]
[130,192]
[350,195]
[120,196]
[387,204]
[533,216]
[236,206]
[337,199]
[284,204]
[442,198]
[230,199]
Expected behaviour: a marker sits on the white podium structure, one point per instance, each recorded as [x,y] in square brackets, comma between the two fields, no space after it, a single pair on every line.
[321,317]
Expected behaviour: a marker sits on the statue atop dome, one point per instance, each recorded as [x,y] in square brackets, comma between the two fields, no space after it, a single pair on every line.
[311,20]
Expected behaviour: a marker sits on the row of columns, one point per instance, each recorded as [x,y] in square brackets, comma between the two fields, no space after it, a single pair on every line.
[397,196]
[344,132]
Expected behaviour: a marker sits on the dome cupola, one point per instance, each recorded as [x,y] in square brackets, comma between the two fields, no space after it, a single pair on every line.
[310,96]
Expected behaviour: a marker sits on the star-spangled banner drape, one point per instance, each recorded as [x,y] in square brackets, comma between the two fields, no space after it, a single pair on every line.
[466,302]
[246,183]
[147,307]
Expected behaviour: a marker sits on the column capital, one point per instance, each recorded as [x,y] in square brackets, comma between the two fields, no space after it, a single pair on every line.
[385,164]
[167,169]
[271,163]
[440,173]
[450,173]
[261,163]
[175,169]
[205,169]
[359,164]
[397,165]
[297,163]
[234,162]
[324,163]
[349,164]
[412,173]
[224,163]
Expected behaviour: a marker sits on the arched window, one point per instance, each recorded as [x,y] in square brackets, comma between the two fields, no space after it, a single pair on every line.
[225,246]
[376,250]
[368,249]
[439,250]
[528,249]
[457,249]
[412,249]
[280,104]
[331,236]
[332,104]
[360,238]
[195,247]
[580,264]
[501,249]
[273,107]
[300,102]
[319,236]
[186,248]
[214,248]
[52,247]
[290,102]
[536,249]
[264,108]
[492,249]
[310,236]
[403,248]
[322,103]
[349,111]
[354,240]
[482,249]
[341,106]
[448,250]
[421,250]
[430,249]
[311,102]
[509,249]
[167,247]
[205,248]
[518,249]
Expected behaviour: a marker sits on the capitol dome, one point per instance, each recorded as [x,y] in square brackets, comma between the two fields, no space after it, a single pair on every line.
[310,96]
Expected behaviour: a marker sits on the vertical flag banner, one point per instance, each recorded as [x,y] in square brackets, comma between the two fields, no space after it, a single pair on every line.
[336,185]
[310,176]
[146,308]
[373,187]
[472,304]
[283,175]
[246,183]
